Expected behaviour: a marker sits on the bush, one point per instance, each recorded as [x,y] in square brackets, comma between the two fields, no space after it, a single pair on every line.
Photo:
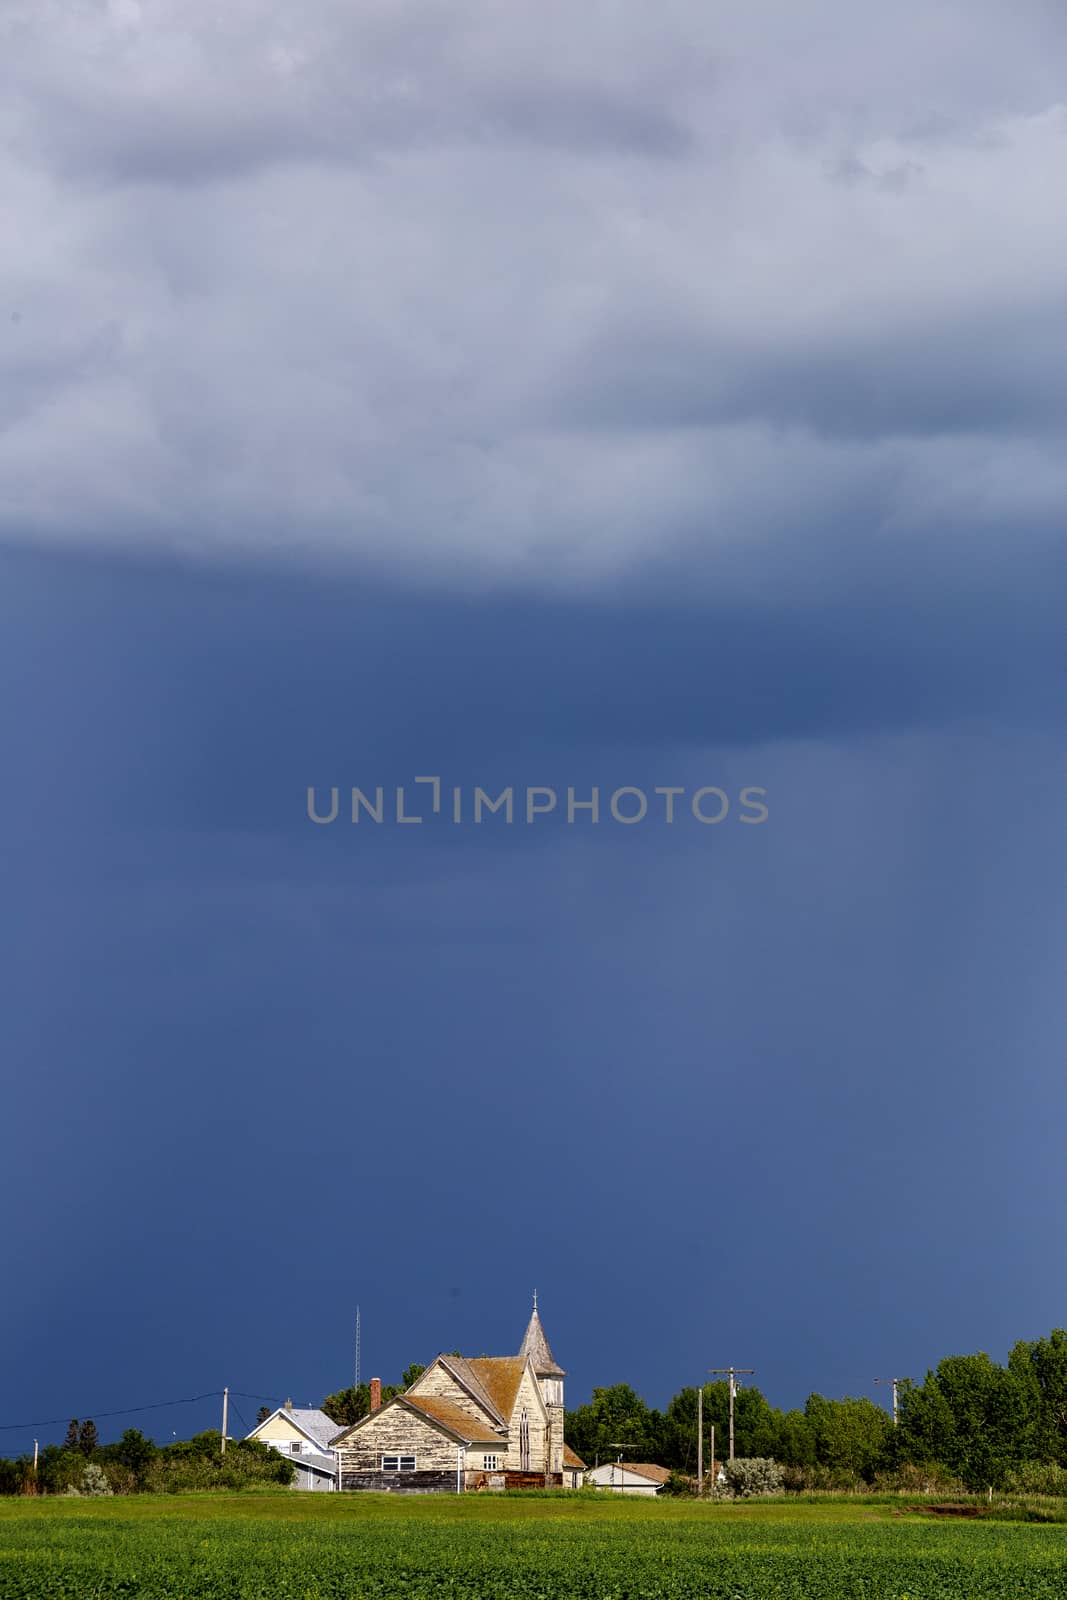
[920,1477]
[679,1483]
[197,1464]
[94,1480]
[749,1476]
[1038,1477]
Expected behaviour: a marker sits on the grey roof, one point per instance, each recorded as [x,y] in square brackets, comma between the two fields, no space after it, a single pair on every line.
[320,1463]
[321,1428]
[536,1346]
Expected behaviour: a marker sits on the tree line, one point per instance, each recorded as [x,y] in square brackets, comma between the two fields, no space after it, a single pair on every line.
[971,1421]
[135,1464]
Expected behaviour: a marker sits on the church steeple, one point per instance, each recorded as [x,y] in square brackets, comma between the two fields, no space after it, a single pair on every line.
[535,1345]
[550,1376]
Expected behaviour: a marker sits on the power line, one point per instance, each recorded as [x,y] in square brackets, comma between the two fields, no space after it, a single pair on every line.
[126,1411]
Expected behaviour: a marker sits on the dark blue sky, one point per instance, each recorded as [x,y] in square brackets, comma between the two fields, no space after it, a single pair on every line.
[788,1096]
[555,396]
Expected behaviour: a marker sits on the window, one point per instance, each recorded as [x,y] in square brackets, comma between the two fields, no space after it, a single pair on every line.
[524,1441]
[491,1463]
[398,1463]
[296,1447]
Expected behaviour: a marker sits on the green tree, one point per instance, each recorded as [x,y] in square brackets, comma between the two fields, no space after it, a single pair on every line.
[71,1440]
[135,1452]
[615,1416]
[796,1440]
[850,1436]
[978,1419]
[262,1414]
[1040,1366]
[411,1374]
[87,1437]
[348,1405]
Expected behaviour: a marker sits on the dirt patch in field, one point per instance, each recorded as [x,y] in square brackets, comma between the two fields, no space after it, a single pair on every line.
[948,1511]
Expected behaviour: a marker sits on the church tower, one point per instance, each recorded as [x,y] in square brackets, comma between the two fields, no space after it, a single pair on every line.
[550,1376]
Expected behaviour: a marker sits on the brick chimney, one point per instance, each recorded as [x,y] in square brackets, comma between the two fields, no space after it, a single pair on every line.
[375,1393]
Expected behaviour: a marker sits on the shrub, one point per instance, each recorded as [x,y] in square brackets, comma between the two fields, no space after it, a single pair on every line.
[94,1480]
[749,1476]
[920,1477]
[1038,1477]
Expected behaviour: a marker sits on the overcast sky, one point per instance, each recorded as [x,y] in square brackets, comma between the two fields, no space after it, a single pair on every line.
[601,395]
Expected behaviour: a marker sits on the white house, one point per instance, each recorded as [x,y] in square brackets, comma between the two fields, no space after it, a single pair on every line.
[306,1436]
[629,1477]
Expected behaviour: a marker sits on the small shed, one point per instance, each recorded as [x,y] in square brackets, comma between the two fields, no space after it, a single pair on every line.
[629,1477]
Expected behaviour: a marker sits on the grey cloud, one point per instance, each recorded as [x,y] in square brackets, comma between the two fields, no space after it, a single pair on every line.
[318,287]
[954,377]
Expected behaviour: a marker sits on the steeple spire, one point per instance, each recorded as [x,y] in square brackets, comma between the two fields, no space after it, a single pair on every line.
[536,1346]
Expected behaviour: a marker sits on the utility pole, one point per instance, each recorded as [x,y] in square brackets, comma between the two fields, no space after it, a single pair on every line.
[731,1372]
[700,1440]
[35,1458]
[225,1414]
[620,1447]
[896,1382]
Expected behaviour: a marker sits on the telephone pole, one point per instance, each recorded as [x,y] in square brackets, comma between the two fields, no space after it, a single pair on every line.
[731,1373]
[225,1413]
[896,1382]
[357,1348]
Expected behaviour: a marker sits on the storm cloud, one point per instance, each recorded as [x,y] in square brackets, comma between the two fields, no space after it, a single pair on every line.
[543,300]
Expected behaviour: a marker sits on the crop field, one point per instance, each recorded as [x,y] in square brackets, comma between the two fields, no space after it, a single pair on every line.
[288,1547]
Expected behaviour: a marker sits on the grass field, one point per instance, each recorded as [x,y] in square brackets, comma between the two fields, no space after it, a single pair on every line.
[300,1547]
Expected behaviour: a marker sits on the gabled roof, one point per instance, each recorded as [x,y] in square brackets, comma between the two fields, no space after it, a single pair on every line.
[465,1374]
[536,1346]
[442,1414]
[644,1469]
[467,1428]
[499,1377]
[318,1429]
[570,1459]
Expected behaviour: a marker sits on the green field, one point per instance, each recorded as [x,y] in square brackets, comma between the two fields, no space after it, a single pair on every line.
[300,1547]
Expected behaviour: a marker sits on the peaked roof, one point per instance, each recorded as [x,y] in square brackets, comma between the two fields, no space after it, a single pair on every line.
[641,1469]
[459,1423]
[536,1346]
[464,1428]
[315,1425]
[571,1458]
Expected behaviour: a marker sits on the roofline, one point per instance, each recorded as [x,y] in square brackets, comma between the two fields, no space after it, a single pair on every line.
[413,1405]
[629,1466]
[282,1412]
[485,1399]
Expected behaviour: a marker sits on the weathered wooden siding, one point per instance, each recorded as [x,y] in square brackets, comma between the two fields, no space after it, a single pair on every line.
[401,1482]
[528,1395]
[396,1431]
[436,1381]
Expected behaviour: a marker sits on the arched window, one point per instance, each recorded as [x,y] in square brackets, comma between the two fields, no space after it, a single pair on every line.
[524,1441]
